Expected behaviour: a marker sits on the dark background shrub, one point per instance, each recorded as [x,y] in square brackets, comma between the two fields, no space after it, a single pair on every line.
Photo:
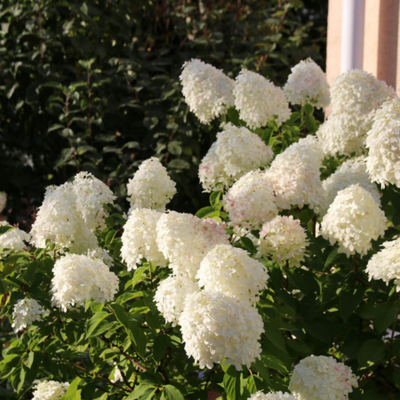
[94,85]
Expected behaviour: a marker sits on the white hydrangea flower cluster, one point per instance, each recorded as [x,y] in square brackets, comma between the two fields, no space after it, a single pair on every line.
[25,312]
[356,95]
[14,239]
[258,100]
[57,218]
[91,195]
[358,91]
[383,141]
[151,187]
[70,213]
[185,239]
[385,264]
[50,390]
[307,84]
[117,374]
[139,239]
[283,238]
[232,282]
[207,90]
[344,133]
[295,175]
[351,172]
[250,201]
[229,270]
[216,326]
[235,152]
[171,294]
[3,201]
[321,377]
[272,396]
[78,278]
[353,219]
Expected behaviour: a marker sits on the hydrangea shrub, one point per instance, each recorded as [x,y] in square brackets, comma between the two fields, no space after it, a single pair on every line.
[284,287]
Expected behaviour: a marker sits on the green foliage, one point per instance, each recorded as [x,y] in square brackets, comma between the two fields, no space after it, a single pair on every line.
[93,85]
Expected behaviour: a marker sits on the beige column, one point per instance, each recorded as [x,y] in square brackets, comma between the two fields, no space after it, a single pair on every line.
[334,40]
[371,36]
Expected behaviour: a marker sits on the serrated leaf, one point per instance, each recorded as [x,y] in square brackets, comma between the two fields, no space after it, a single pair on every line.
[386,313]
[172,393]
[370,353]
[126,296]
[208,212]
[349,300]
[141,392]
[136,335]
[215,200]
[137,276]
[331,258]
[275,363]
[72,391]
[232,383]
[94,322]
[233,116]
[248,245]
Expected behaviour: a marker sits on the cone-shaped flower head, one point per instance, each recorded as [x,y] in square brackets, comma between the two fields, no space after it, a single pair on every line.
[383,142]
[151,187]
[207,90]
[236,152]
[259,100]
[307,84]
[353,220]
[216,326]
[321,377]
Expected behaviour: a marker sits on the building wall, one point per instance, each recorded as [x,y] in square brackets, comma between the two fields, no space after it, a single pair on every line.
[381,52]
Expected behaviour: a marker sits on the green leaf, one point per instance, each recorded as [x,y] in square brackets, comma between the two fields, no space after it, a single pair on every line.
[175,148]
[31,358]
[248,245]
[262,369]
[121,314]
[29,275]
[136,334]
[94,322]
[331,258]
[370,353]
[251,385]
[160,347]
[308,109]
[275,336]
[234,116]
[208,212]
[8,364]
[303,280]
[137,276]
[142,392]
[126,296]
[4,229]
[310,123]
[171,393]
[273,362]
[386,314]
[215,200]
[349,300]
[72,392]
[232,382]
[318,330]
[396,377]
[299,346]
